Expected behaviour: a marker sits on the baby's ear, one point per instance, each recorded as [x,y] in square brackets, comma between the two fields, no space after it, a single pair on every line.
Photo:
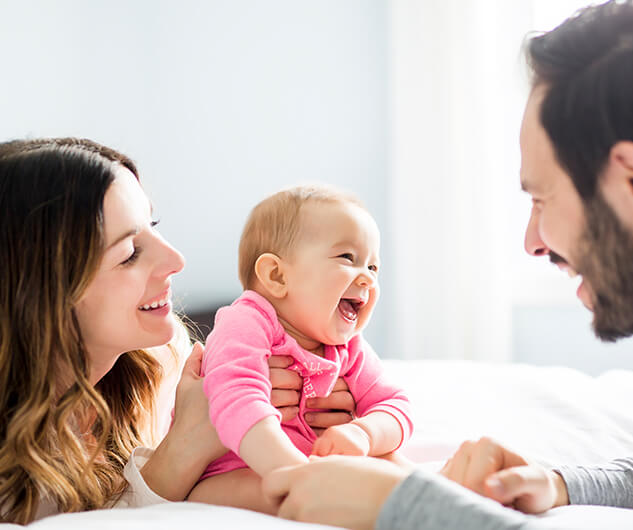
[269,270]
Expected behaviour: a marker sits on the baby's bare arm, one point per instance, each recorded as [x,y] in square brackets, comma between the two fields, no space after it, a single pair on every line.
[384,432]
[266,447]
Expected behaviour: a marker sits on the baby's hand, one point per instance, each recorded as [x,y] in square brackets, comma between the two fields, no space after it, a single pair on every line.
[348,439]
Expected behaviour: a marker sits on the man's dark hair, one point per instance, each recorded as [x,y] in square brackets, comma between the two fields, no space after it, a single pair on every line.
[586,64]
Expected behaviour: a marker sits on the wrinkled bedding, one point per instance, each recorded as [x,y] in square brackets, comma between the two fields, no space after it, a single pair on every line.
[554,415]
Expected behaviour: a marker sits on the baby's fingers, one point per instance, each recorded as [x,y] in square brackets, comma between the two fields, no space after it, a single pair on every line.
[322,447]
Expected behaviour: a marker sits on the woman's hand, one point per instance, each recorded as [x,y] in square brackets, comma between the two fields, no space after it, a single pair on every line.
[191,409]
[345,491]
[190,444]
[488,468]
[287,386]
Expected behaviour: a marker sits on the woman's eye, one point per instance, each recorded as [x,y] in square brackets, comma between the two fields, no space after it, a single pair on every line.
[154,224]
[133,257]
[348,256]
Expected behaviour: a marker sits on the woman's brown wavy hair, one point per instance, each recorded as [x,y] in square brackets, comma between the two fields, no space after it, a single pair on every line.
[65,445]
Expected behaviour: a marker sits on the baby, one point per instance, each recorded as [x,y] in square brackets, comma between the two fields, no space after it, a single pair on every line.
[308,261]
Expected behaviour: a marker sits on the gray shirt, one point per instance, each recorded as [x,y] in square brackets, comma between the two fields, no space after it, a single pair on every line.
[607,485]
[429,501]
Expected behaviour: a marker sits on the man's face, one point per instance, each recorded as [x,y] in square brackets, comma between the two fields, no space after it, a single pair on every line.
[581,238]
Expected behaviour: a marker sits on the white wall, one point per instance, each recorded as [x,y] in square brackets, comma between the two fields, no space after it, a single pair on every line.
[224,101]
[220,102]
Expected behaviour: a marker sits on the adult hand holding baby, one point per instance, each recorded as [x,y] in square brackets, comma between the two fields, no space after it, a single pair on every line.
[338,407]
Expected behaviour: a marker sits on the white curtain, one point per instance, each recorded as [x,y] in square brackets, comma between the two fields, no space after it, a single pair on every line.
[456,95]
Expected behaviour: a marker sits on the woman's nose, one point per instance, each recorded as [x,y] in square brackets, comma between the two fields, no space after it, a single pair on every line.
[171,261]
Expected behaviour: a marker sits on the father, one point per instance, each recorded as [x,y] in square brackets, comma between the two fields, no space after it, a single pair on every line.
[577,164]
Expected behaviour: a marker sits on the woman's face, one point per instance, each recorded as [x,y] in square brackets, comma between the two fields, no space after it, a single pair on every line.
[127,306]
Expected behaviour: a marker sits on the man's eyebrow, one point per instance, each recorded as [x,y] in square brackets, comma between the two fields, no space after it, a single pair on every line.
[127,234]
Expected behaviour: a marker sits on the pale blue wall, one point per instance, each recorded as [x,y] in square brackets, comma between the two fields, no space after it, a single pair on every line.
[220,102]
[562,335]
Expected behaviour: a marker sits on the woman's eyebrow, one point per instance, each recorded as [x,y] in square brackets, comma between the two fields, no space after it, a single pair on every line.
[133,231]
[127,234]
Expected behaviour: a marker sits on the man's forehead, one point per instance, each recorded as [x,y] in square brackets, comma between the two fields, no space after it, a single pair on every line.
[536,149]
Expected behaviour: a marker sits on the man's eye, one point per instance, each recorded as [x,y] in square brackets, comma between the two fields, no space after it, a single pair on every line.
[348,256]
[133,257]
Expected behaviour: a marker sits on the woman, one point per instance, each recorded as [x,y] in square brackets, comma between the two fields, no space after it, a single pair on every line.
[90,352]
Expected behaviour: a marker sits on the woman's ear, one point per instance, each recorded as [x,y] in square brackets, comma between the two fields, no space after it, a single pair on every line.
[269,271]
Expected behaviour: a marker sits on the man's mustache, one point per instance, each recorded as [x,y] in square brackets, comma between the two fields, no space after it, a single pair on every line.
[556,259]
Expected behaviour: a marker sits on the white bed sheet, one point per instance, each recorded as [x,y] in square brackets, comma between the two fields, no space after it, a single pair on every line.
[555,415]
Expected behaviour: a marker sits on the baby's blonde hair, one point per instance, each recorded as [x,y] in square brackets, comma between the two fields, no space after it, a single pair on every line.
[273,225]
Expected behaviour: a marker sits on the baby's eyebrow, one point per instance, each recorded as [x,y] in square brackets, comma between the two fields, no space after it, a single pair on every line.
[344,243]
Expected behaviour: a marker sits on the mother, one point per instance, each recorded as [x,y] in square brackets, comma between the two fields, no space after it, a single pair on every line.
[90,352]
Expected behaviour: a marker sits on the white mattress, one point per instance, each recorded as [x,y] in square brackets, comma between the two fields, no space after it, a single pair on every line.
[555,415]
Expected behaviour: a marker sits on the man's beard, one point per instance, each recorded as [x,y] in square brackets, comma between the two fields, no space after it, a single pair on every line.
[606,264]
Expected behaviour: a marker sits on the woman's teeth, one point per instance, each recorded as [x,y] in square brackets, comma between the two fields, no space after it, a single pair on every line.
[154,305]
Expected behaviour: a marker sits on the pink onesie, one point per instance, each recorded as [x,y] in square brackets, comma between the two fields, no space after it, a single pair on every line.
[237,384]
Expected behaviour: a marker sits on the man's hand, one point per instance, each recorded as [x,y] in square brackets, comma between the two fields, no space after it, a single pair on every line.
[488,468]
[348,439]
[343,491]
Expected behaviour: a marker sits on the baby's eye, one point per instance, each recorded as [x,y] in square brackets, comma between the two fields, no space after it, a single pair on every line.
[373,268]
[347,255]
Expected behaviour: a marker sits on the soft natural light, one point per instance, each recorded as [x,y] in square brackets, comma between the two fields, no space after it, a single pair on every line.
[458,89]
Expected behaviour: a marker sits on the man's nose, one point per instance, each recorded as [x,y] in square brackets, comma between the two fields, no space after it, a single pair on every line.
[534,245]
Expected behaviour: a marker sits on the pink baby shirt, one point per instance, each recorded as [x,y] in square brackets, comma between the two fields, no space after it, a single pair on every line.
[237,384]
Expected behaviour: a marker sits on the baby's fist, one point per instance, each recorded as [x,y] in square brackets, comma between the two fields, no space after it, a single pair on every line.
[347,439]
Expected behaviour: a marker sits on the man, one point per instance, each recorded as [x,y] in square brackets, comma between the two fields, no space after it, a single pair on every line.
[577,164]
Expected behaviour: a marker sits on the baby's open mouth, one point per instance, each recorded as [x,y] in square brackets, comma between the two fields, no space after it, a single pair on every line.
[349,308]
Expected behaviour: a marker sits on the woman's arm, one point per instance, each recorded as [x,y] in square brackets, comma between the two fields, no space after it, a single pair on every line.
[190,444]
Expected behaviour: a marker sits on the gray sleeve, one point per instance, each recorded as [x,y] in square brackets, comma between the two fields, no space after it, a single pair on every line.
[429,501]
[607,485]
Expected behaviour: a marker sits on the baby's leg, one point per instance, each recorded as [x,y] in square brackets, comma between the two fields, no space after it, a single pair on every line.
[241,488]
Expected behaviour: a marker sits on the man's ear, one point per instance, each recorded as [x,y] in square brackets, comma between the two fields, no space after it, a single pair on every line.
[269,270]
[617,181]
